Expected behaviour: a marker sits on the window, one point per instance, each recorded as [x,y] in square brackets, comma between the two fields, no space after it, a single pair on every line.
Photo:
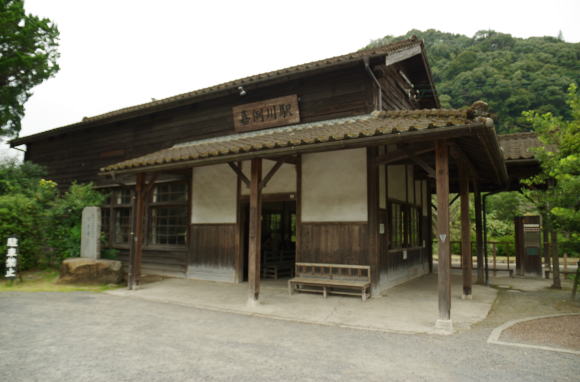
[116,216]
[122,203]
[168,214]
[404,225]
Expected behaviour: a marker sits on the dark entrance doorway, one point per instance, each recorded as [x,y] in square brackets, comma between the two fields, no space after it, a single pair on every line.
[278,239]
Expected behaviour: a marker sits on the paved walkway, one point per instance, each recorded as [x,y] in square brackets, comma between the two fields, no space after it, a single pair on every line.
[409,308]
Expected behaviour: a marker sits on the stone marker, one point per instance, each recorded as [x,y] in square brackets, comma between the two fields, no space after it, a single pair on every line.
[90,271]
[91,233]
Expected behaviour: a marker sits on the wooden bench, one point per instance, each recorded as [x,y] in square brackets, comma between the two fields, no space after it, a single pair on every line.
[351,280]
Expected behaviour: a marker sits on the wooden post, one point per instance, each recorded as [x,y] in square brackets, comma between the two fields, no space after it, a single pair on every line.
[137,232]
[373,213]
[429,236]
[298,256]
[494,252]
[465,233]
[546,237]
[556,284]
[255,231]
[442,235]
[478,233]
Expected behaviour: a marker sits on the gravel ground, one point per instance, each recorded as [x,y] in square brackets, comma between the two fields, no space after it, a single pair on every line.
[559,332]
[97,337]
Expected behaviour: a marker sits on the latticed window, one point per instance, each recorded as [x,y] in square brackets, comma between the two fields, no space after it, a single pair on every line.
[404,225]
[168,214]
[116,216]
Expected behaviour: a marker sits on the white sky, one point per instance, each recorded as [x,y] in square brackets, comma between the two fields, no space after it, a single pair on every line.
[118,53]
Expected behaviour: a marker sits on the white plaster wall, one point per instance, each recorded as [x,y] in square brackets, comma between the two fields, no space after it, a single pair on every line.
[283,181]
[334,186]
[397,182]
[214,192]
[382,187]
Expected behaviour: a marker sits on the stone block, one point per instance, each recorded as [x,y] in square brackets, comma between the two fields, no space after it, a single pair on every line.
[91,233]
[77,270]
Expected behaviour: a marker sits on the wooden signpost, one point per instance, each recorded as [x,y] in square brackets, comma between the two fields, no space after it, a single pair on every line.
[265,114]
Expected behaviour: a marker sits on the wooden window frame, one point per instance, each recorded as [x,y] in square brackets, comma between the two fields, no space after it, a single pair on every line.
[153,205]
[405,228]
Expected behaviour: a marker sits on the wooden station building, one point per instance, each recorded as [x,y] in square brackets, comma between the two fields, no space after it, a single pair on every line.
[330,162]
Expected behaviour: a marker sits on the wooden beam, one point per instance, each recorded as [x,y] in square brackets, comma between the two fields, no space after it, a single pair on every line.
[270,174]
[442,235]
[459,155]
[400,155]
[465,232]
[288,160]
[255,231]
[454,199]
[240,173]
[478,232]
[420,162]
[401,55]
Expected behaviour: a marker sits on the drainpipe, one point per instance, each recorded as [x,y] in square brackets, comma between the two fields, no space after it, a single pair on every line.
[380,91]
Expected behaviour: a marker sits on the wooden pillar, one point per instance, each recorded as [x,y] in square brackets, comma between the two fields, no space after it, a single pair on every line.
[429,228]
[255,231]
[478,233]
[465,233]
[442,234]
[298,256]
[546,238]
[373,212]
[137,232]
[556,284]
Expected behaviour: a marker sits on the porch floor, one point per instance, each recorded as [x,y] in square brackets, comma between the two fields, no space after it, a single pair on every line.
[407,308]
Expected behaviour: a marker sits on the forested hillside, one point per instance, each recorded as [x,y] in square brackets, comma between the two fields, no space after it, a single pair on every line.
[511,74]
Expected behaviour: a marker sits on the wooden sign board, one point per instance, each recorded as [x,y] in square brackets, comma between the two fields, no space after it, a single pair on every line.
[265,114]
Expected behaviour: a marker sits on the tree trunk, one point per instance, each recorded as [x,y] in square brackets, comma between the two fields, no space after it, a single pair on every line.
[556,284]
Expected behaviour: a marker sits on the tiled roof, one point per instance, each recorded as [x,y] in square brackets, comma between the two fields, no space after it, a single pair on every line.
[160,104]
[376,123]
[518,145]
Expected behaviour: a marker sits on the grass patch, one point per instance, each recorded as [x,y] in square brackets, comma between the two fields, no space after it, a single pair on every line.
[45,281]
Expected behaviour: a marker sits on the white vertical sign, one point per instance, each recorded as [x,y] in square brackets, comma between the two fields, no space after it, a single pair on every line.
[11,258]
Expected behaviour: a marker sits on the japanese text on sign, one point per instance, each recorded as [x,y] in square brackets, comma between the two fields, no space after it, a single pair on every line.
[11,258]
[270,113]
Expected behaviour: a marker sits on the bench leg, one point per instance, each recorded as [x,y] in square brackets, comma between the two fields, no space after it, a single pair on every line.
[364,294]
[290,288]
[324,292]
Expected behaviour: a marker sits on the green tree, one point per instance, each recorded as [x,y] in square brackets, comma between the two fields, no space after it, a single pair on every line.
[511,74]
[47,223]
[560,162]
[28,55]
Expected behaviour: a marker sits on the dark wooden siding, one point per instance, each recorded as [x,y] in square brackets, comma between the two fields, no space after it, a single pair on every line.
[213,245]
[79,155]
[171,263]
[335,243]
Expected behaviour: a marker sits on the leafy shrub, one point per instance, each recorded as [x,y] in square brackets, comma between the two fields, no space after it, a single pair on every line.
[48,224]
